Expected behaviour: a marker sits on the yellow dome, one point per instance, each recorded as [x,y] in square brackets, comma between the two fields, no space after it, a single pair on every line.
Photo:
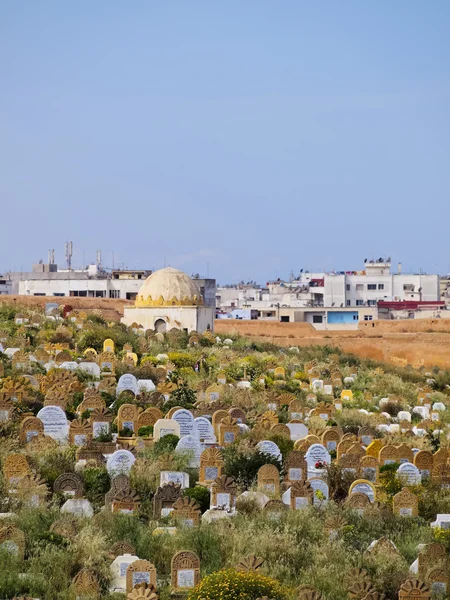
[169,287]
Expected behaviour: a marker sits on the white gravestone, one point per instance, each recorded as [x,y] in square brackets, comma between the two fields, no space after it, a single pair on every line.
[177,477]
[366,489]
[80,507]
[55,422]
[298,431]
[146,385]
[319,485]
[317,453]
[205,430]
[409,474]
[191,445]
[268,447]
[186,421]
[91,368]
[118,570]
[120,462]
[127,382]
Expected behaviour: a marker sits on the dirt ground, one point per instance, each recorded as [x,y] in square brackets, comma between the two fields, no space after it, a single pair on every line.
[410,342]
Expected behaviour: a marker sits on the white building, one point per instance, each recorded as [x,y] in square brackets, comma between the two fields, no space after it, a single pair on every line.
[345,289]
[92,282]
[170,299]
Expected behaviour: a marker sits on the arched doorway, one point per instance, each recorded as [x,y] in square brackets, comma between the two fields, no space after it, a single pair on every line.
[160,326]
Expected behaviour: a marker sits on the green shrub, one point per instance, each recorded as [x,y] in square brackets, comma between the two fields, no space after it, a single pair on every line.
[230,584]
[201,494]
[165,444]
[146,431]
[96,483]
[244,467]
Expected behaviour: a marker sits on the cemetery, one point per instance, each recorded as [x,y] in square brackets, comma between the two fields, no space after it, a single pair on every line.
[145,465]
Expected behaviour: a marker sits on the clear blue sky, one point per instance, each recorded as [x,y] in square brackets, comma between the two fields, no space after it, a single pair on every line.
[256,136]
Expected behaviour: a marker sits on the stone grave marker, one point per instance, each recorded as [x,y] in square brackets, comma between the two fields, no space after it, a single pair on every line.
[228,431]
[127,382]
[299,495]
[205,430]
[211,465]
[30,427]
[321,491]
[120,462]
[298,430]
[269,480]
[442,521]
[165,427]
[268,447]
[80,432]
[79,507]
[15,468]
[55,422]
[369,468]
[164,499]
[140,571]
[13,541]
[186,421]
[186,511]
[190,444]
[317,454]
[331,439]
[424,461]
[405,503]
[69,484]
[118,571]
[223,493]
[409,474]
[185,571]
[363,486]
[296,468]
[177,477]
[413,589]
[127,417]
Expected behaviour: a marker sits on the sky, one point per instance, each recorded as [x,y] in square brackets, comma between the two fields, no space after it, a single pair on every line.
[239,140]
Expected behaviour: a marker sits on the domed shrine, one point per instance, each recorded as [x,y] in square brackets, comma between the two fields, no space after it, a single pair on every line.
[170,299]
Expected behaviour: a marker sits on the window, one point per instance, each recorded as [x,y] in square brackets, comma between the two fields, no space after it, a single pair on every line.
[38,294]
[360,303]
[347,287]
[408,287]
[59,294]
[114,293]
[359,287]
[381,286]
[368,317]
[348,303]
[131,295]
[317,319]
[371,286]
[372,302]
[284,319]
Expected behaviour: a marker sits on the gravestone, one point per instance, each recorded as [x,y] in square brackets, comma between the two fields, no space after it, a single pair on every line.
[269,479]
[223,494]
[363,486]
[190,444]
[186,421]
[79,507]
[55,422]
[140,571]
[321,491]
[205,430]
[127,382]
[299,495]
[317,454]
[409,474]
[185,571]
[118,571]
[164,499]
[405,503]
[165,427]
[211,464]
[120,462]
[268,447]
[186,511]
[177,477]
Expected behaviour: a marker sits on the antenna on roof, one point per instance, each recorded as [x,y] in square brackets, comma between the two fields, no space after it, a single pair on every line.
[69,252]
